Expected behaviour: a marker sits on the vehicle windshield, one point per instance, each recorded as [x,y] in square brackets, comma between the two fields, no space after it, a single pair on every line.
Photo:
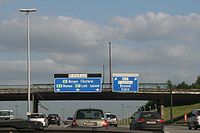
[90,114]
[111,116]
[36,116]
[153,115]
[6,113]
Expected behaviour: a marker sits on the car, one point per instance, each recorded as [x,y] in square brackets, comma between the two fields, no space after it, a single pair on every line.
[54,119]
[112,119]
[21,125]
[40,117]
[89,118]
[147,120]
[6,114]
[68,121]
[194,119]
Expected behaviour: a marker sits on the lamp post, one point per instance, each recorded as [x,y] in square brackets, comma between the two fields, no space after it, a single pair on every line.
[122,113]
[110,65]
[171,104]
[16,111]
[28,11]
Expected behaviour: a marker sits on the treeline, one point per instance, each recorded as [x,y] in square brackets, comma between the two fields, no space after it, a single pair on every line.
[184,85]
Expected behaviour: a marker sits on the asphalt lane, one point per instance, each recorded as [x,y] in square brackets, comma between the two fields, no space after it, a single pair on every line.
[64,129]
[180,129]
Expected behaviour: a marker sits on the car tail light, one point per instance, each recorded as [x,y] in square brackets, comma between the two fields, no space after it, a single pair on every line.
[105,123]
[161,121]
[197,116]
[74,124]
[141,120]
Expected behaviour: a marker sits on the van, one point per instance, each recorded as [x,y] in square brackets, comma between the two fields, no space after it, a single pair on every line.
[6,114]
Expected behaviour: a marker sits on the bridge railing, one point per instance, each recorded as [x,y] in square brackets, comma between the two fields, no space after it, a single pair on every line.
[50,87]
[143,87]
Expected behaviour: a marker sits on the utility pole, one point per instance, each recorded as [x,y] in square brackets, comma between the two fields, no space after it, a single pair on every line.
[103,77]
[16,111]
[171,104]
[122,111]
[110,66]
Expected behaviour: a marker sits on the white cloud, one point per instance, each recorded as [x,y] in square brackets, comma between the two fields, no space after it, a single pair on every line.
[159,46]
[154,27]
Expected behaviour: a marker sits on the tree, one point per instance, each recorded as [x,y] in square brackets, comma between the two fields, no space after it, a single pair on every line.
[196,85]
[182,85]
[169,84]
[198,80]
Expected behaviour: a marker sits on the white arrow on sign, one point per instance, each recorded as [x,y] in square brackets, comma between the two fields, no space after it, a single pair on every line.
[97,89]
[77,89]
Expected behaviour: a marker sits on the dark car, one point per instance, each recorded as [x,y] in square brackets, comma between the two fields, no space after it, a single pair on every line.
[194,119]
[147,120]
[54,119]
[21,125]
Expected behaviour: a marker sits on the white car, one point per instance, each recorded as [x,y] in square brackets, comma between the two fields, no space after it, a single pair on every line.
[194,119]
[6,114]
[112,119]
[40,117]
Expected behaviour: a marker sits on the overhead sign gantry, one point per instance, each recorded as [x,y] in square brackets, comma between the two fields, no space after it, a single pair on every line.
[125,82]
[77,83]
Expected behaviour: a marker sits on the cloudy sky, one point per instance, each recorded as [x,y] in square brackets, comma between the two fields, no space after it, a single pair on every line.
[159,40]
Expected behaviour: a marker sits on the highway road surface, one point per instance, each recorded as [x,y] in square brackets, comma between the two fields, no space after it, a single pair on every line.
[63,129]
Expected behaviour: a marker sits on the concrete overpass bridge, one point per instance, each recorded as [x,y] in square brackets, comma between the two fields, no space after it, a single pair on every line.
[157,92]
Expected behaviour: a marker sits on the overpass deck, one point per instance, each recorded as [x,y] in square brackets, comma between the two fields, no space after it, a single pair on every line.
[157,88]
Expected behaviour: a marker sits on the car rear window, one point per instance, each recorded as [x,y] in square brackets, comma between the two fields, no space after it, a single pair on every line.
[36,116]
[90,114]
[198,113]
[111,116]
[6,113]
[52,115]
[154,115]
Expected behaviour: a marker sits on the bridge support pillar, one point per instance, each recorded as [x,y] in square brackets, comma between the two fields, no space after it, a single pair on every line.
[35,105]
[161,106]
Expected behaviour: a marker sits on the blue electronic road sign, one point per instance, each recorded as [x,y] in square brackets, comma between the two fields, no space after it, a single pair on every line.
[125,83]
[92,84]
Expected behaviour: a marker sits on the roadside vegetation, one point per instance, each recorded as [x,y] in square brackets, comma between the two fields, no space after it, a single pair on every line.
[179,110]
[184,85]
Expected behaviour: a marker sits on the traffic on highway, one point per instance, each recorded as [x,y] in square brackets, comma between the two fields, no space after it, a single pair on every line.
[92,119]
[102,66]
[96,120]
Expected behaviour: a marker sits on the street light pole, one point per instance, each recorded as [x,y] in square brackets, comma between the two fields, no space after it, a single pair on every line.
[16,111]
[27,11]
[110,65]
[122,112]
